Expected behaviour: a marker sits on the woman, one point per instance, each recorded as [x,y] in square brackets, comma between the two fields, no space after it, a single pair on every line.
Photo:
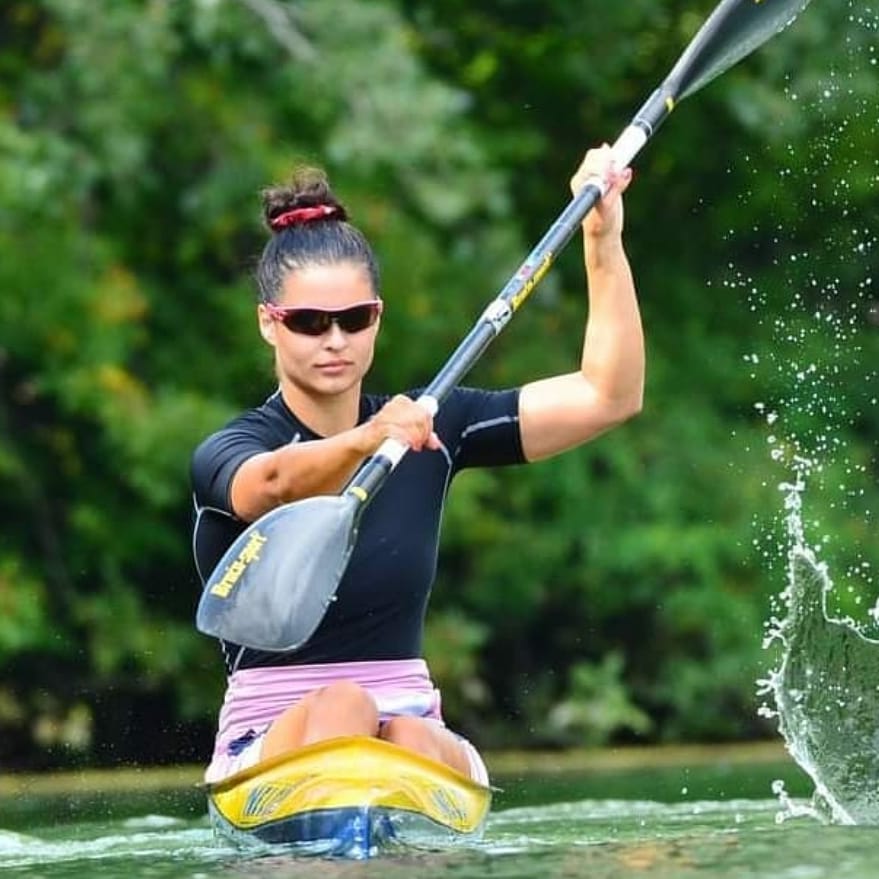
[320,309]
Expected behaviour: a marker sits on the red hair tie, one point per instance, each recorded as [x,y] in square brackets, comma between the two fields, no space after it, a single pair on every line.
[300,216]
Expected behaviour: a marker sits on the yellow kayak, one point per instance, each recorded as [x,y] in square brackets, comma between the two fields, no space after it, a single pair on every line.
[349,797]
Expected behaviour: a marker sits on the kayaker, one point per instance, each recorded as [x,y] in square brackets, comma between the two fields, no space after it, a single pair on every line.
[319,308]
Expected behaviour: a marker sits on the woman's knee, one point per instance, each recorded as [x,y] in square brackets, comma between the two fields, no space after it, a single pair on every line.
[340,709]
[347,703]
[427,739]
[410,732]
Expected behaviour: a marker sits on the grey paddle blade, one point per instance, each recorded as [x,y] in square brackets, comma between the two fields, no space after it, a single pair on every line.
[735,29]
[273,586]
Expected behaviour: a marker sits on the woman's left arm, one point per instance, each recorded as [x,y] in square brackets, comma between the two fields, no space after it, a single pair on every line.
[564,411]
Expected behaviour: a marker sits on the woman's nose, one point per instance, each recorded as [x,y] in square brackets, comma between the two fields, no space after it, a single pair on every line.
[335,336]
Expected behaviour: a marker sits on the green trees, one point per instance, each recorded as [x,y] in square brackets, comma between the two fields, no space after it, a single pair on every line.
[626,582]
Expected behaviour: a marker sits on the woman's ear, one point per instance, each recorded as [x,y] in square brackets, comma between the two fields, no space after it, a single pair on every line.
[267,325]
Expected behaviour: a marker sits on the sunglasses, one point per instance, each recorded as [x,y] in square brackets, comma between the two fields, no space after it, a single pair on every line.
[310,321]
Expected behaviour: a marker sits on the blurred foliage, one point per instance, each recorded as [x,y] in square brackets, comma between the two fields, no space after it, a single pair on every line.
[617,592]
[597,706]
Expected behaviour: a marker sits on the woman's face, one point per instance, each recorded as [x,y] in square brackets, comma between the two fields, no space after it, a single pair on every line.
[335,361]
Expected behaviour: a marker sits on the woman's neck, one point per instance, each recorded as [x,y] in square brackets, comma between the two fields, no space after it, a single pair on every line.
[326,416]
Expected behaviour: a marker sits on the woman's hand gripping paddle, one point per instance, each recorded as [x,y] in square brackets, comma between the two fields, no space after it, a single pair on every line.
[273,586]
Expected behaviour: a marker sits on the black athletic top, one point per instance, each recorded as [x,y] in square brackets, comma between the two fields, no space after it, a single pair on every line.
[382,598]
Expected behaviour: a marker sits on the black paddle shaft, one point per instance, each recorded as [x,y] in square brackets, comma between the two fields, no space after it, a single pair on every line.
[376,469]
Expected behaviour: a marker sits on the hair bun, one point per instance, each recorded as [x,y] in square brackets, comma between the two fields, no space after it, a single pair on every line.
[306,198]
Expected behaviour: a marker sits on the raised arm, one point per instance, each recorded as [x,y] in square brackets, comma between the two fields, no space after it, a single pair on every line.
[567,410]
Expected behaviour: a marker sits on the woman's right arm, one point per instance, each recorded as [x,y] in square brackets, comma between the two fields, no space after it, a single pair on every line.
[304,469]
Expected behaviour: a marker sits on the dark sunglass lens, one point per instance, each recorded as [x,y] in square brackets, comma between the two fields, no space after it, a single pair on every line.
[353,320]
[316,321]
[308,321]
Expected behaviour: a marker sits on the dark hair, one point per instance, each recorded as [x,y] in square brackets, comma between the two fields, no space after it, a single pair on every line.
[302,237]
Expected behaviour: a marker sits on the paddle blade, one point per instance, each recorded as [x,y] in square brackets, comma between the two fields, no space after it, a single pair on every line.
[735,29]
[273,586]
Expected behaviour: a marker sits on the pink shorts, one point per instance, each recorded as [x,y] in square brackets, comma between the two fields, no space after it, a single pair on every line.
[255,697]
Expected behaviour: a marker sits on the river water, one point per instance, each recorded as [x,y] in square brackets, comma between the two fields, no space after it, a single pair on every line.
[590,839]
[719,819]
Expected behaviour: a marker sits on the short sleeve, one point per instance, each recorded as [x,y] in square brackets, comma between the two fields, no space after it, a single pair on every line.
[485,426]
[213,467]
[215,462]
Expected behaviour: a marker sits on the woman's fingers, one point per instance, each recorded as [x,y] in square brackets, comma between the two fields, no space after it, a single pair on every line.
[407,422]
[607,216]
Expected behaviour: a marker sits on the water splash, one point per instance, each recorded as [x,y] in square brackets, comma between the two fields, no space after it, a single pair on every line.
[826,688]
[819,371]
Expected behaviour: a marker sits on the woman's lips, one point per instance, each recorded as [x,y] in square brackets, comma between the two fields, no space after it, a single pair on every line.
[333,367]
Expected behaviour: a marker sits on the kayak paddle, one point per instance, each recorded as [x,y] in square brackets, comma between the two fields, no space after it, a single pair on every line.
[273,586]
